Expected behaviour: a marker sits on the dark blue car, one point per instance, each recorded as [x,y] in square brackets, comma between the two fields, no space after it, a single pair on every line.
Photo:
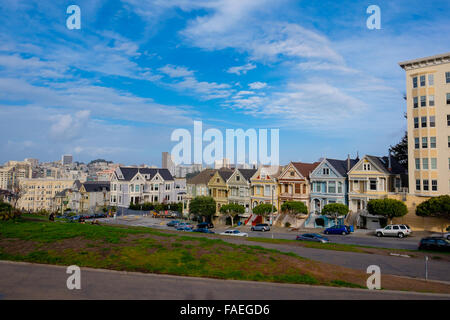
[339,229]
[203,230]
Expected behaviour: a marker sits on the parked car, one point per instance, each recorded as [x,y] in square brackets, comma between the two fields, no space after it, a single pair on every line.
[234,232]
[184,228]
[203,230]
[207,225]
[261,227]
[312,237]
[435,243]
[394,230]
[185,224]
[447,235]
[173,223]
[338,229]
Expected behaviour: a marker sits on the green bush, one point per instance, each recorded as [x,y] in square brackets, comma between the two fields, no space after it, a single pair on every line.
[390,208]
[438,207]
[287,224]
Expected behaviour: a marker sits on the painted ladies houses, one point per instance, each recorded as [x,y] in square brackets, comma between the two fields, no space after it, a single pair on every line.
[218,189]
[328,185]
[263,181]
[198,185]
[95,195]
[294,182]
[137,185]
[373,178]
[240,189]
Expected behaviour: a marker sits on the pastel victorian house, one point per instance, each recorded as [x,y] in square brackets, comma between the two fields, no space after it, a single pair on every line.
[218,189]
[328,185]
[373,178]
[198,185]
[264,189]
[239,190]
[294,183]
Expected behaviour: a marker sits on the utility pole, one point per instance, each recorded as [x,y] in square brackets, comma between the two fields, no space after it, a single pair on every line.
[271,213]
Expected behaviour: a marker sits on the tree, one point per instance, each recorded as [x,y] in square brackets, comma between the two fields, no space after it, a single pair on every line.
[335,210]
[232,210]
[438,207]
[389,208]
[294,208]
[264,209]
[203,206]
[400,150]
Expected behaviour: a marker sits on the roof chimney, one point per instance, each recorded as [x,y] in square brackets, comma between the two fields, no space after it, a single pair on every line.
[348,162]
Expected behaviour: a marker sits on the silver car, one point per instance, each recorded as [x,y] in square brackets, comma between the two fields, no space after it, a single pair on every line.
[261,227]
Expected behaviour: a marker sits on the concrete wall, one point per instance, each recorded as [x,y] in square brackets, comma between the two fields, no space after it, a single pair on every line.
[416,222]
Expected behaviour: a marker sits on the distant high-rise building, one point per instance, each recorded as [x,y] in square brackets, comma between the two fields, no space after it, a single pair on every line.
[167,162]
[223,163]
[66,159]
[428,114]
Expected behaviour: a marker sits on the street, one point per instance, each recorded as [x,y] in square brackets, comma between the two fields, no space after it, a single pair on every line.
[20,280]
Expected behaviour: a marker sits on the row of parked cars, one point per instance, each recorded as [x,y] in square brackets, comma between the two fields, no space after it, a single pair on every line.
[203,227]
[82,217]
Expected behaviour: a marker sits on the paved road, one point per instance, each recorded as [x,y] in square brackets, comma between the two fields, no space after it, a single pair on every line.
[358,238]
[410,267]
[33,281]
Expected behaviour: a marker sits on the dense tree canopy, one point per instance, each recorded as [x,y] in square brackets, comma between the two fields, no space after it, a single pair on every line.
[203,206]
[438,207]
[232,210]
[294,208]
[264,209]
[389,208]
[335,210]
[400,151]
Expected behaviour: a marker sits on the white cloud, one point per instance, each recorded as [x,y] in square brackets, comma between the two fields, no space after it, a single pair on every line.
[257,85]
[241,69]
[176,71]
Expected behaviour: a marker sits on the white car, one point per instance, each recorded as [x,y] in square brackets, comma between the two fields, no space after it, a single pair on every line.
[394,230]
[234,233]
[443,235]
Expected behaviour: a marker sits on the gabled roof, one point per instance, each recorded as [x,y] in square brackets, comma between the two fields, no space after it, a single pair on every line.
[383,162]
[96,186]
[305,168]
[247,173]
[342,165]
[130,172]
[202,178]
[225,173]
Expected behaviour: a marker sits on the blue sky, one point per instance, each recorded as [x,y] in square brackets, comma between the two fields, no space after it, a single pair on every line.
[137,70]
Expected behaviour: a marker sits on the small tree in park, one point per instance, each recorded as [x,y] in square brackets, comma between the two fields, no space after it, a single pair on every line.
[203,206]
[390,208]
[438,207]
[294,208]
[232,210]
[335,210]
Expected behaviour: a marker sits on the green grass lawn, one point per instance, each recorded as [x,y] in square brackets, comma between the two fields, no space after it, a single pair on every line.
[146,250]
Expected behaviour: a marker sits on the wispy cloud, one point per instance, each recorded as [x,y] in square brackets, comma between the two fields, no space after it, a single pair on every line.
[241,69]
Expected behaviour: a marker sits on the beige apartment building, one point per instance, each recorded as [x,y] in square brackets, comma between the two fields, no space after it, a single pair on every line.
[12,172]
[39,194]
[428,113]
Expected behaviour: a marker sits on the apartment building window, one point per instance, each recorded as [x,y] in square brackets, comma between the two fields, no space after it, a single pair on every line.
[424,122]
[448,98]
[418,184]
[332,187]
[422,81]
[430,79]
[416,122]
[415,82]
[431,100]
[432,142]
[424,142]
[448,120]
[448,163]
[433,163]
[433,185]
[373,184]
[447,77]
[425,163]
[432,121]
[416,143]
[416,102]
[449,141]
[423,101]
[425,185]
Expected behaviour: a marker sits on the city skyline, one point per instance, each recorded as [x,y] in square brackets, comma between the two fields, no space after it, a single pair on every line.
[134,72]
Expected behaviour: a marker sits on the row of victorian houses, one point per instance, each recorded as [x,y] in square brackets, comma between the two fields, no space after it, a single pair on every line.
[352,182]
